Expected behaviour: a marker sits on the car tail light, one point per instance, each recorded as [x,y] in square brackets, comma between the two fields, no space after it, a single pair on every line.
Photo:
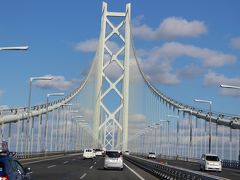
[5,177]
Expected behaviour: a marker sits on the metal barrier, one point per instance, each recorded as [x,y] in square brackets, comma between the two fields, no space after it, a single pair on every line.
[42,154]
[225,163]
[231,164]
[168,172]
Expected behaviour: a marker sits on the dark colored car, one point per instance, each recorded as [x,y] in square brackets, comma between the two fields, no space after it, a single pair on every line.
[11,169]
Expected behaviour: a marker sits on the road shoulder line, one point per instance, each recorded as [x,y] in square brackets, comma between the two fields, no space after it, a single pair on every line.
[140,177]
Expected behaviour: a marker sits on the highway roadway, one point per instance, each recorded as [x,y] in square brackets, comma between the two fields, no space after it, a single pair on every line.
[71,167]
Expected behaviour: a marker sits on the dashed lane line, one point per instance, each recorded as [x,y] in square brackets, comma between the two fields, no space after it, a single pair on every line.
[51,166]
[83,175]
[43,160]
[91,167]
[65,162]
[140,177]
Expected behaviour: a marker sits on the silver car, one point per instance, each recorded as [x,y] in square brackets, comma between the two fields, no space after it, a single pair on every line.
[113,159]
[210,162]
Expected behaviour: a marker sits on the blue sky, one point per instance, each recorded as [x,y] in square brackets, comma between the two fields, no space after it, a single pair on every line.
[187,48]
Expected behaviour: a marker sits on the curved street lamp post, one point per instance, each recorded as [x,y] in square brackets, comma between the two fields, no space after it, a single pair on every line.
[14,48]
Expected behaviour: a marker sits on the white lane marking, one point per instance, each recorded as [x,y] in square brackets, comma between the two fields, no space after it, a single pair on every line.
[140,177]
[65,162]
[74,159]
[46,159]
[83,175]
[91,167]
[51,166]
[95,162]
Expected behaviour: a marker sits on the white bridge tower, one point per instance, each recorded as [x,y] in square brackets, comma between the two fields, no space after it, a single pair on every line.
[112,91]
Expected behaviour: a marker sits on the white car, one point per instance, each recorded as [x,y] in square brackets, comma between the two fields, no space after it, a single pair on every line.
[151,155]
[113,159]
[99,152]
[126,153]
[210,162]
[88,154]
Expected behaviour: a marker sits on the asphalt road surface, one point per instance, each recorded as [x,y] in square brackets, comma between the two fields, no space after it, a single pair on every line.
[74,167]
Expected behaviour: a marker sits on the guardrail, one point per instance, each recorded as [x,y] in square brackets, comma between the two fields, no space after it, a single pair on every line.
[164,171]
[225,163]
[231,164]
[42,154]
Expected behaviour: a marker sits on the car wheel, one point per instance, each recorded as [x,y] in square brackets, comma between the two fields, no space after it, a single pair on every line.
[200,168]
[121,169]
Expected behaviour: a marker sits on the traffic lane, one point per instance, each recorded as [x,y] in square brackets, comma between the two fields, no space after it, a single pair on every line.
[226,173]
[232,174]
[64,168]
[51,169]
[129,171]
[140,171]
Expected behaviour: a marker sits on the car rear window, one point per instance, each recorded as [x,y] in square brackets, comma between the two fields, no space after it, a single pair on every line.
[212,158]
[151,153]
[113,154]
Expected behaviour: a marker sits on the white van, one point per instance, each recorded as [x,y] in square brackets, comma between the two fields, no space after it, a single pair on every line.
[88,154]
[210,162]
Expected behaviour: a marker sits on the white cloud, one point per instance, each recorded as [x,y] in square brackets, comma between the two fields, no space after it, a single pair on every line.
[87,46]
[137,118]
[235,42]
[171,27]
[214,79]
[179,27]
[190,71]
[113,71]
[137,122]
[160,71]
[91,45]
[113,46]
[58,82]
[210,58]
[158,61]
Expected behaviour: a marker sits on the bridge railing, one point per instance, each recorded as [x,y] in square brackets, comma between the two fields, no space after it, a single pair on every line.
[231,164]
[23,155]
[164,171]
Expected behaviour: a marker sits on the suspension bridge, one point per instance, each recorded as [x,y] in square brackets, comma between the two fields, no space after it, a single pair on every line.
[116,106]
